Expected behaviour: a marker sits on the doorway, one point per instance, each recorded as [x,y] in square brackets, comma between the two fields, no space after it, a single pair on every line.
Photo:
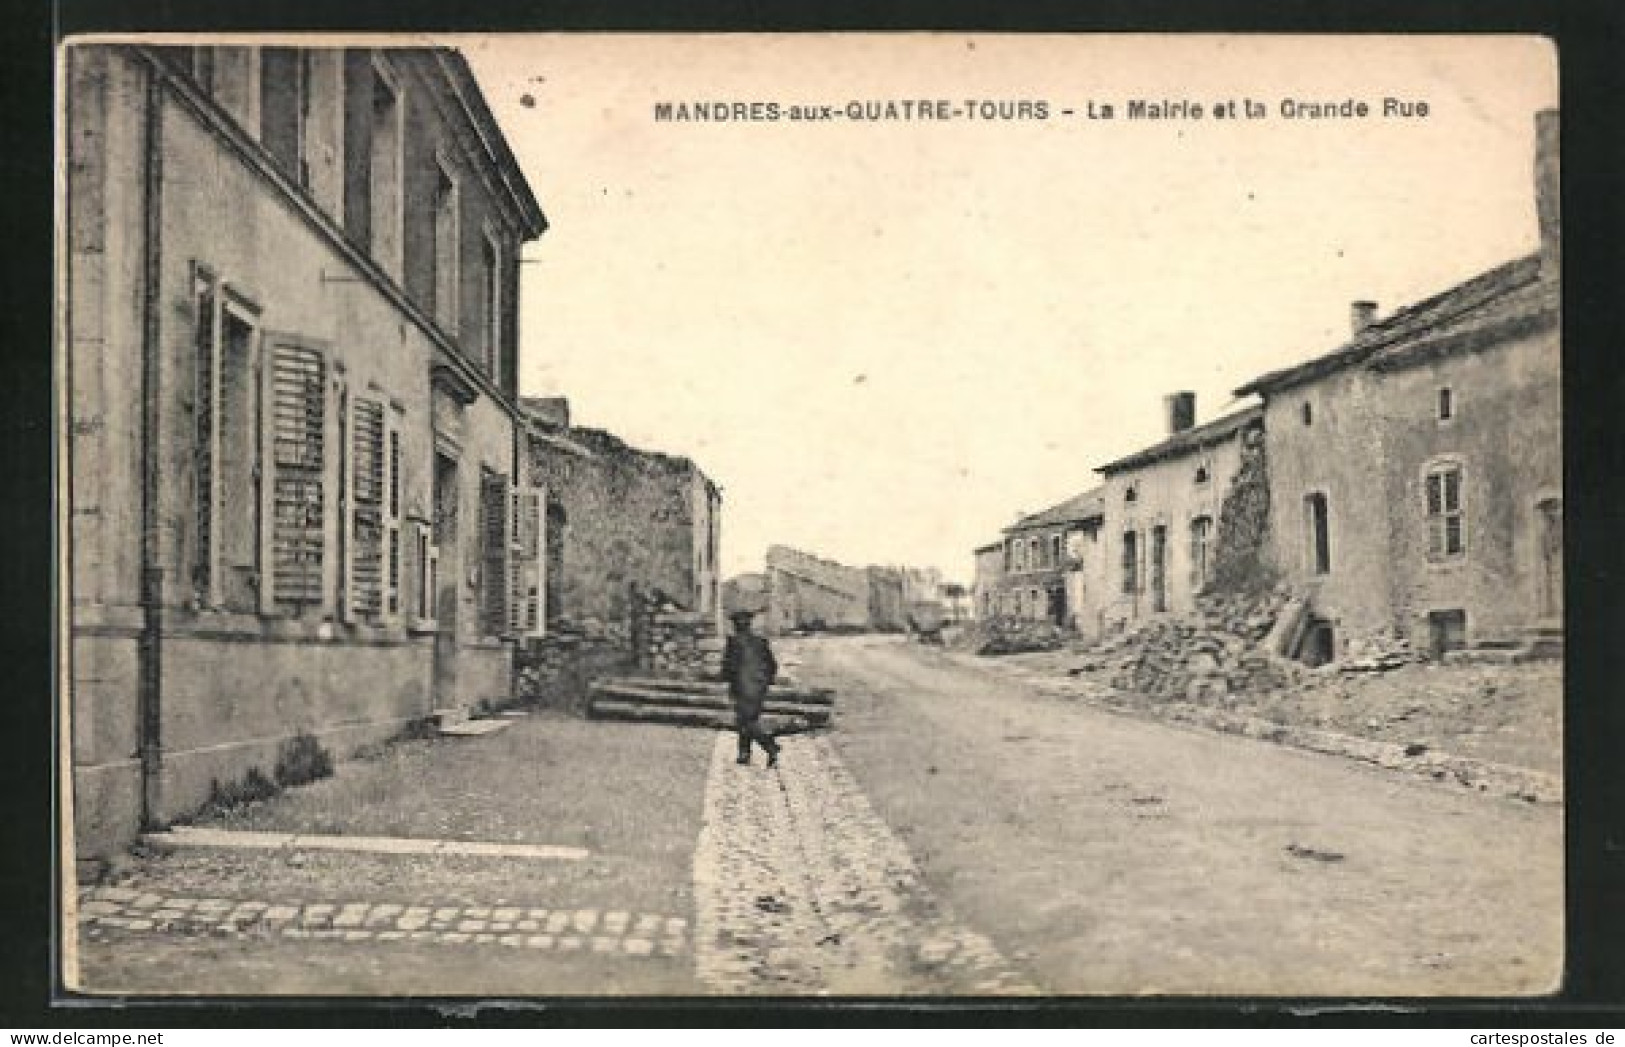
[1549,525]
[1447,631]
[446,580]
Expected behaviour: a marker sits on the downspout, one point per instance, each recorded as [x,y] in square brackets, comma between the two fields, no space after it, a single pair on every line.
[150,646]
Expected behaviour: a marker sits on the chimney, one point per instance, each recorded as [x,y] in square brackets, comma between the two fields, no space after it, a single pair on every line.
[1549,190]
[1362,314]
[1181,410]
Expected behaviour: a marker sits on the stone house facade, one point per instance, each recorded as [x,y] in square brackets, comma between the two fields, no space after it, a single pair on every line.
[987,582]
[616,519]
[1416,471]
[805,591]
[1048,566]
[290,373]
[1162,507]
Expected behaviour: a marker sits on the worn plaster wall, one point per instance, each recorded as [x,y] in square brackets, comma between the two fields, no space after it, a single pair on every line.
[1338,453]
[1168,494]
[1506,435]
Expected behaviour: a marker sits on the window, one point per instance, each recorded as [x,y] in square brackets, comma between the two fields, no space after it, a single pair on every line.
[1201,539]
[373,538]
[1035,554]
[1009,556]
[1446,538]
[1320,547]
[1308,413]
[445,247]
[226,447]
[384,172]
[1131,562]
[1159,568]
[1055,550]
[1132,494]
[495,583]
[1447,406]
[491,305]
[285,86]
[1201,474]
[525,612]
[299,461]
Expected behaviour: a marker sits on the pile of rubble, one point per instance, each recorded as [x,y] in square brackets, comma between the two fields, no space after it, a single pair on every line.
[1010,636]
[1219,649]
[1378,654]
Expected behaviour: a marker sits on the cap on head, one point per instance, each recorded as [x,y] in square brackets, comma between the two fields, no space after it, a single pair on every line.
[741,616]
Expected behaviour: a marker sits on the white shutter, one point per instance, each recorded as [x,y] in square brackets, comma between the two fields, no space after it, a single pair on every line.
[528,549]
[368,496]
[297,503]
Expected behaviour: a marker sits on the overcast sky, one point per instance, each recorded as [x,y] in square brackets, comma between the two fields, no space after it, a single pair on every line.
[885,340]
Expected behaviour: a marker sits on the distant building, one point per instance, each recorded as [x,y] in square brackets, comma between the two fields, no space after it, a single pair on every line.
[809,592]
[616,517]
[290,280]
[1415,472]
[1048,566]
[987,585]
[1162,508]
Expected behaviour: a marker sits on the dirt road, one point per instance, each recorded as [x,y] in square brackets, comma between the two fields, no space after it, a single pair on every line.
[1110,855]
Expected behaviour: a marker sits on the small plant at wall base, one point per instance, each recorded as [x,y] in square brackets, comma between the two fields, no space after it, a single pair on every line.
[302,759]
[251,787]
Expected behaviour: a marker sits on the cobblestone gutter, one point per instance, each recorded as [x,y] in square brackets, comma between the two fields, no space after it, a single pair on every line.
[801,888]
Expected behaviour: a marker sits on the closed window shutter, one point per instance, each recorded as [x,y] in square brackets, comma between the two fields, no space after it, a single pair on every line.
[367,491]
[299,463]
[392,519]
[494,513]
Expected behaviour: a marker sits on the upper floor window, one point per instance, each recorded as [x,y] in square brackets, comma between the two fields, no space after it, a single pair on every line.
[1055,542]
[384,171]
[1308,413]
[1202,473]
[491,295]
[443,231]
[1446,534]
[1132,494]
[1447,404]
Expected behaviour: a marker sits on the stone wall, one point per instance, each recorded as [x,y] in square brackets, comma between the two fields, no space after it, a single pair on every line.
[684,645]
[554,670]
[1241,562]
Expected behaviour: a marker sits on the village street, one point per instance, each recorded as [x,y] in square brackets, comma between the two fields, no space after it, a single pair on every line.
[956,833]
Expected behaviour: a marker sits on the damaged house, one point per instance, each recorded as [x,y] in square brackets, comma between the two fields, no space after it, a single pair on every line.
[618,520]
[1416,471]
[1048,566]
[1163,505]
[289,279]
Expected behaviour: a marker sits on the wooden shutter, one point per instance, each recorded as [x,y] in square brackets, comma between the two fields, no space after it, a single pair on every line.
[392,551]
[495,511]
[366,511]
[299,461]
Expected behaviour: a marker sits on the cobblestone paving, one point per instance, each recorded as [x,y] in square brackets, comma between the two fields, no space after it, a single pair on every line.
[557,930]
[801,888]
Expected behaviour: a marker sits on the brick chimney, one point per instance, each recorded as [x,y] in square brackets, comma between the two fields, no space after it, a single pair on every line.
[1549,189]
[1181,411]
[1362,314]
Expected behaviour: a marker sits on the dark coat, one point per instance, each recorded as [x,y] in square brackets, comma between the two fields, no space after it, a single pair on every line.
[749,667]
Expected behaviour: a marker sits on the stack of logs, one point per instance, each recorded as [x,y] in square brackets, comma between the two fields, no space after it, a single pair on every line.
[701,703]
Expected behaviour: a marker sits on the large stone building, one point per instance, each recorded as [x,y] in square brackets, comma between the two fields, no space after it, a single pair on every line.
[805,591]
[1415,472]
[291,362]
[1162,508]
[1048,566]
[617,518]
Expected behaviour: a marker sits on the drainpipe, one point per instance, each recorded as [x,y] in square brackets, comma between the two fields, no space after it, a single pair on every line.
[150,646]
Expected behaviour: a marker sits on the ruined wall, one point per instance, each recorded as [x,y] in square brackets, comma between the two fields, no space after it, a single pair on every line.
[1337,453]
[629,518]
[1241,557]
[809,592]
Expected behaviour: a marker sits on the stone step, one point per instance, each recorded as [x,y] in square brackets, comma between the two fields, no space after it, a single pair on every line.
[447,716]
[806,695]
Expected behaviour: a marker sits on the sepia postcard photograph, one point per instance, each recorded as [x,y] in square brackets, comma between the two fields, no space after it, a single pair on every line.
[827,515]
